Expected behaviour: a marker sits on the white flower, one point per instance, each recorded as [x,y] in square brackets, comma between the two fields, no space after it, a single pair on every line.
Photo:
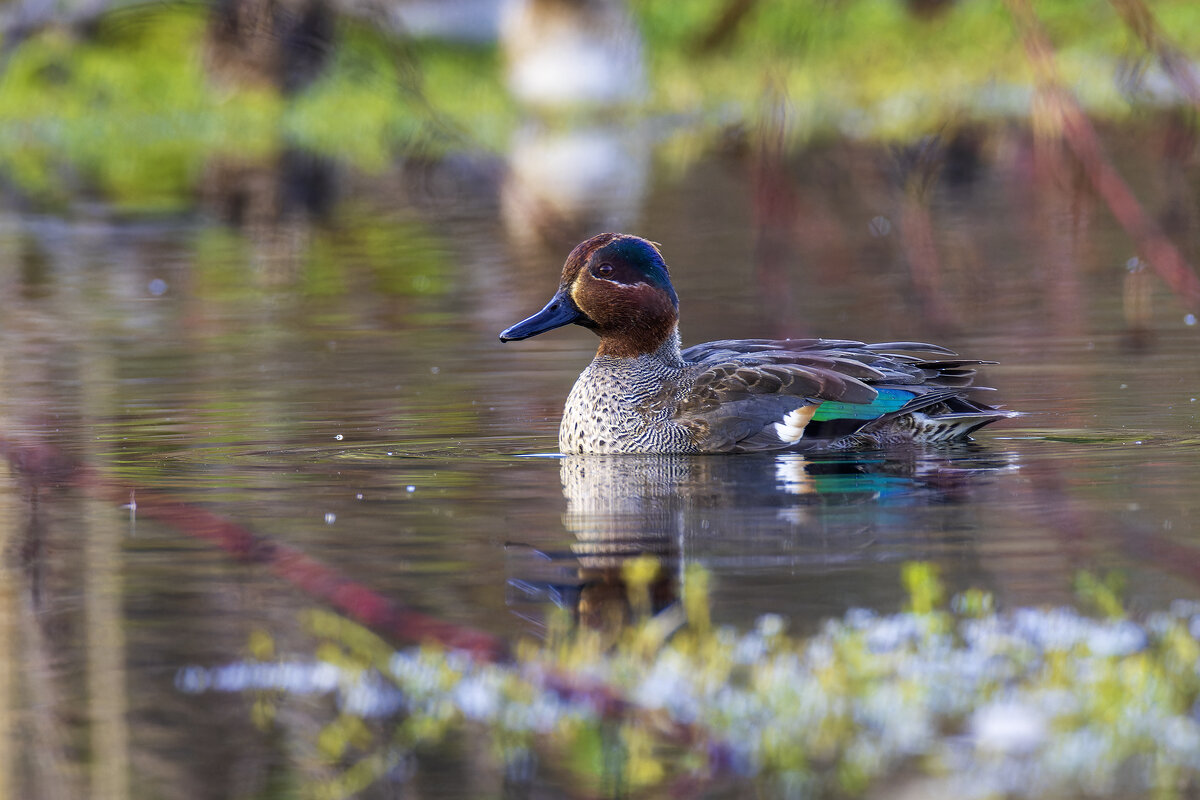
[1008,727]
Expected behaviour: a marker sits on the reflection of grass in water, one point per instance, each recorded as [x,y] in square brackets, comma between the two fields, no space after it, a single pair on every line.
[370,105]
[1023,703]
[394,258]
[132,109]
[873,65]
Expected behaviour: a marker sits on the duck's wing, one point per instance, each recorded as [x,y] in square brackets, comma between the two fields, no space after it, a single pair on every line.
[752,395]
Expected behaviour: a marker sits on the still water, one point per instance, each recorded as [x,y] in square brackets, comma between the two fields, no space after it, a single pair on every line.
[325,374]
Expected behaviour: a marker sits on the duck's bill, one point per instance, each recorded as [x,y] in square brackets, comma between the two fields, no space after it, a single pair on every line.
[559,311]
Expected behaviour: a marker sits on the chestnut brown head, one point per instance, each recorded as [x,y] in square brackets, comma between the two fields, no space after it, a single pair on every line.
[618,286]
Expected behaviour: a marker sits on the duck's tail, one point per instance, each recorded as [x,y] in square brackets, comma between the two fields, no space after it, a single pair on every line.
[937,416]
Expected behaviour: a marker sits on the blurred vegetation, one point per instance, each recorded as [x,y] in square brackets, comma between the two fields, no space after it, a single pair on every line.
[128,107]
[1019,703]
[884,68]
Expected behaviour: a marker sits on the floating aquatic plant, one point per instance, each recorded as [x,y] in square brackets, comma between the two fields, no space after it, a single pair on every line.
[1021,703]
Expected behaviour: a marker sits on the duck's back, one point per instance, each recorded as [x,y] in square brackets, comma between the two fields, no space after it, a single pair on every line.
[753,395]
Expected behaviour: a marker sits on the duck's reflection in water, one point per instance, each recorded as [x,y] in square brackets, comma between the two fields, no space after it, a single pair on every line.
[620,508]
[741,513]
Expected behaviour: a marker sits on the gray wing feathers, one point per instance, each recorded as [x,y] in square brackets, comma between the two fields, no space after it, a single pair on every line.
[743,387]
[738,397]
[746,426]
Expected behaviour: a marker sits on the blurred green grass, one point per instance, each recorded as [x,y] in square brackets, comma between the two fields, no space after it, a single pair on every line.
[130,110]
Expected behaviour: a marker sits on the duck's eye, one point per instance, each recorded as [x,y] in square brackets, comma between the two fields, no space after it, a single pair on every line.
[604,270]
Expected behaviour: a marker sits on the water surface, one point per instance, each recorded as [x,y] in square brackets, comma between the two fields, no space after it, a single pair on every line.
[332,382]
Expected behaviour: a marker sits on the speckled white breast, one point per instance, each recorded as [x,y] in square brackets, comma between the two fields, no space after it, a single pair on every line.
[619,405]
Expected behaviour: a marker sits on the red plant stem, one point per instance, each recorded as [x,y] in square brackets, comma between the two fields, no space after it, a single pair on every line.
[1081,137]
[44,465]
[315,579]
[41,465]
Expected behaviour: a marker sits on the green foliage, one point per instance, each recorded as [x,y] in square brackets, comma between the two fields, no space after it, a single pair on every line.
[100,104]
[380,98]
[133,111]
[1103,595]
[873,68]
[924,588]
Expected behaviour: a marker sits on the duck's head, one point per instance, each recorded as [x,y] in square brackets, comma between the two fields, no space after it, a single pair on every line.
[618,286]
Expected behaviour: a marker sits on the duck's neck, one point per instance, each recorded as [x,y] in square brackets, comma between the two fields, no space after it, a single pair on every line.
[666,351]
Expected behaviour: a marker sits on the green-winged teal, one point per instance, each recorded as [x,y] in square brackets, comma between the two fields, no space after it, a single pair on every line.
[642,393]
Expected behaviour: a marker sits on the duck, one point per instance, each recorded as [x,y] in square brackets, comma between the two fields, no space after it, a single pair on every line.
[643,393]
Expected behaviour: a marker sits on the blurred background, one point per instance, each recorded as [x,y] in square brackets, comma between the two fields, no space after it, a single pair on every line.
[254,256]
